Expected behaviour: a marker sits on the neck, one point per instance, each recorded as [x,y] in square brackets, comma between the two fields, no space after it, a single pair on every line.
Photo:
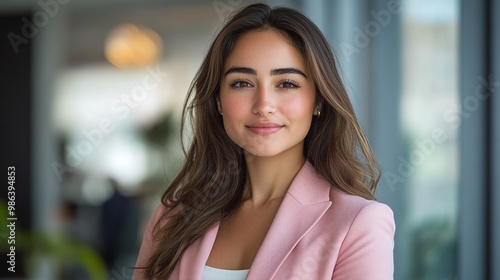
[269,177]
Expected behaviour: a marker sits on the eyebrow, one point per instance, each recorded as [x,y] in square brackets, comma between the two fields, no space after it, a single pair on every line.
[274,72]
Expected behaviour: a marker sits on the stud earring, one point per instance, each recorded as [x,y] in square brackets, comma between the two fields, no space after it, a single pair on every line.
[319,113]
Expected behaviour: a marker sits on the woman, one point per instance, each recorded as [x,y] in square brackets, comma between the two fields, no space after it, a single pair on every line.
[278,181]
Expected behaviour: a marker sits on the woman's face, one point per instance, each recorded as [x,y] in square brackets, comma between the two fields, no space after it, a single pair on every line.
[267,98]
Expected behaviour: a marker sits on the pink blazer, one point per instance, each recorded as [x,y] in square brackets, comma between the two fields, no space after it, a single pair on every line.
[318,233]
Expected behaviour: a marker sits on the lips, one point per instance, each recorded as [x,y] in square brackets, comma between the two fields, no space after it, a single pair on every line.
[265,128]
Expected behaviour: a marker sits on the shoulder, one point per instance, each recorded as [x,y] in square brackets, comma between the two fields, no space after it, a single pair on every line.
[362,221]
[148,240]
[366,237]
[161,214]
[158,212]
[310,188]
[355,205]
[355,215]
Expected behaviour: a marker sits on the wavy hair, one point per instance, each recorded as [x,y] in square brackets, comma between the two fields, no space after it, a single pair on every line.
[210,185]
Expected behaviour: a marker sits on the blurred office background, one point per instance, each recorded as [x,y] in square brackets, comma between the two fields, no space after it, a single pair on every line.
[92,93]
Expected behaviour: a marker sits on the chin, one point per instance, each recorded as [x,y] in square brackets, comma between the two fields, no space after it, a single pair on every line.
[262,153]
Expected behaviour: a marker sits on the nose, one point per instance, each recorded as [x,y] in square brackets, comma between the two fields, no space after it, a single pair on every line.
[264,103]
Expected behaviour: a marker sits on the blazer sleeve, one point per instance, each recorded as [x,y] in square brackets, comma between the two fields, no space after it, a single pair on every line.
[367,250]
[147,244]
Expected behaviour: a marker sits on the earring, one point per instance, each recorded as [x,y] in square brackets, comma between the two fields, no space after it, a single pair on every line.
[319,113]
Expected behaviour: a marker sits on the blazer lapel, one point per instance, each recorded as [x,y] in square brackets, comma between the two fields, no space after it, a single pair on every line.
[304,204]
[195,257]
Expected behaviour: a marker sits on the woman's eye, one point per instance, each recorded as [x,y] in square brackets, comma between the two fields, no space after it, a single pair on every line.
[240,84]
[288,85]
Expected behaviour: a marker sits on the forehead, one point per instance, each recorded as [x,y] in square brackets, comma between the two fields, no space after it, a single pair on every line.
[264,49]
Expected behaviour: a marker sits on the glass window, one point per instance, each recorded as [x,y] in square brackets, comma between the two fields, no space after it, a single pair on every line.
[429,109]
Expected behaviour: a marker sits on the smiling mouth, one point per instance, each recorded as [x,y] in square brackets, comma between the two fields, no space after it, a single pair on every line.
[265,128]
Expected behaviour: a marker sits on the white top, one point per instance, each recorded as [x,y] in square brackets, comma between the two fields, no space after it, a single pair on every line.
[212,273]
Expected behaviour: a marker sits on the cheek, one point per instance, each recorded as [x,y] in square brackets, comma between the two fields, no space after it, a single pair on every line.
[233,107]
[298,108]
[234,110]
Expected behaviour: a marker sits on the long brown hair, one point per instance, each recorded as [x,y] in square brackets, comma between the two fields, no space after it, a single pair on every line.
[210,185]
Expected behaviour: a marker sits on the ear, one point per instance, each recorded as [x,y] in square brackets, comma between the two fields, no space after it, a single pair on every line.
[217,100]
[317,108]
